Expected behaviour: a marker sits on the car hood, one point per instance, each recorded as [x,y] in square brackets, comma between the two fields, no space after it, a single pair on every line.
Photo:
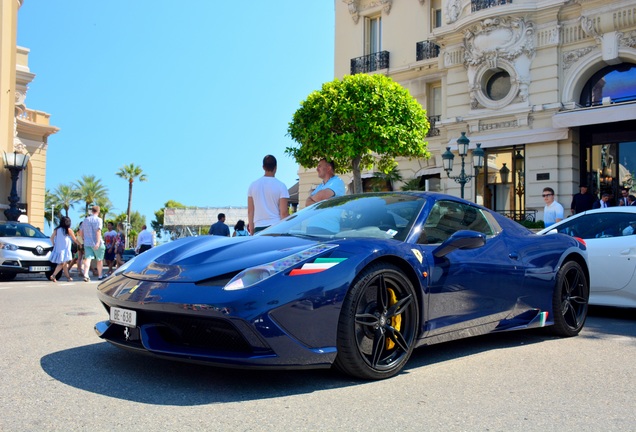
[195,259]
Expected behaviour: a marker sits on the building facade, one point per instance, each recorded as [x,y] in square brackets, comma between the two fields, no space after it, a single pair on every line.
[547,87]
[22,130]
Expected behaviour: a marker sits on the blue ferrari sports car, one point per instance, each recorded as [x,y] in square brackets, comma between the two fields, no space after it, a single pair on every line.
[356,282]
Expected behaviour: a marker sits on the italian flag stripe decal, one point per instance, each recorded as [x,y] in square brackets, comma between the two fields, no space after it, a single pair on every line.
[319,265]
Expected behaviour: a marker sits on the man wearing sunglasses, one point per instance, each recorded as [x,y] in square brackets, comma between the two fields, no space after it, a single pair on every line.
[553,211]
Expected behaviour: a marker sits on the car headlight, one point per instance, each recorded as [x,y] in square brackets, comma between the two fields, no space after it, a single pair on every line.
[253,275]
[8,246]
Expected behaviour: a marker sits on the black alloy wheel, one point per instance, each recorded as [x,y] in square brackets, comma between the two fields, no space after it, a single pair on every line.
[378,324]
[570,300]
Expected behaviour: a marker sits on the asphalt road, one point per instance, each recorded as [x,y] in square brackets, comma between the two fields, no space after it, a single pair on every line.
[55,374]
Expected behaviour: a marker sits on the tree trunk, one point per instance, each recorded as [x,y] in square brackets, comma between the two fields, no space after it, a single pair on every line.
[357,177]
[130,184]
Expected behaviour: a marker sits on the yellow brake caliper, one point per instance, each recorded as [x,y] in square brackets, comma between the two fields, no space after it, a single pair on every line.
[396,321]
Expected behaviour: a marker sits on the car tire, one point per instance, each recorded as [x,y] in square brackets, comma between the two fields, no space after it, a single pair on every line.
[5,277]
[570,300]
[378,324]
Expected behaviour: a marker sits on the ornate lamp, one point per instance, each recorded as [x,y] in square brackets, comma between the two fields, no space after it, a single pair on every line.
[14,162]
[462,147]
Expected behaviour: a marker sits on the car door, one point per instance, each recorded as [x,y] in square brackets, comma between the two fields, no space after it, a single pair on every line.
[611,247]
[468,287]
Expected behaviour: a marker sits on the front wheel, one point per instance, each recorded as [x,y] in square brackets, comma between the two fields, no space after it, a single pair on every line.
[570,300]
[378,324]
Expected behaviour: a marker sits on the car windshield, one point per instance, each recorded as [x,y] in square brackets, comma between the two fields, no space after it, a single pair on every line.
[20,230]
[379,216]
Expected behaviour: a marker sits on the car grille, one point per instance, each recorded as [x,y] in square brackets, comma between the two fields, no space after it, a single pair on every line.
[37,251]
[194,332]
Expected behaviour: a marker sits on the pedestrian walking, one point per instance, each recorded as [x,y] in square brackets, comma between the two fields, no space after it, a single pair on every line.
[93,243]
[62,239]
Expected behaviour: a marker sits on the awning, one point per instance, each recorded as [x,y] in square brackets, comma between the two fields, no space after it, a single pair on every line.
[594,115]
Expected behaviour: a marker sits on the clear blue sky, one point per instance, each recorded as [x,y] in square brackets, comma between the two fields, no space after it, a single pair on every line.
[196,93]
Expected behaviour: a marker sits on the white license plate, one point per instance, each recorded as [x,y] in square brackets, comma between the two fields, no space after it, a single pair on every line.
[124,317]
[39,268]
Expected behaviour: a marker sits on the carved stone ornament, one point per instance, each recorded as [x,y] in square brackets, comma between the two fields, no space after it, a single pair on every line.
[499,44]
[453,10]
[628,40]
[355,7]
[571,57]
[495,38]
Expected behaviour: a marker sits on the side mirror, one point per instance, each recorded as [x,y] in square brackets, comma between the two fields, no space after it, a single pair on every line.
[460,240]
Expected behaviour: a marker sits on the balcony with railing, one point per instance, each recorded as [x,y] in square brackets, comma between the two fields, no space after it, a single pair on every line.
[370,63]
[425,50]
[433,131]
[477,5]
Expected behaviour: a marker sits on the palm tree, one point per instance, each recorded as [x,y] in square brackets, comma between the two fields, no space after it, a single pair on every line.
[131,172]
[66,197]
[90,190]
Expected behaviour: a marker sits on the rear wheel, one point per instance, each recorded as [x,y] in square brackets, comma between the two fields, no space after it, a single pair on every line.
[570,300]
[378,324]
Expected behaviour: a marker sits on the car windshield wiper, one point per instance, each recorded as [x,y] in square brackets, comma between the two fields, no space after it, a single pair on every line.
[301,235]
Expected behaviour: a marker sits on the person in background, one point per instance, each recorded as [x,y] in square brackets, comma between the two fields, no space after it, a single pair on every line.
[632,200]
[553,211]
[78,256]
[239,229]
[267,198]
[582,201]
[62,238]
[120,245]
[331,185]
[93,244]
[604,202]
[109,242]
[219,228]
[145,240]
[624,199]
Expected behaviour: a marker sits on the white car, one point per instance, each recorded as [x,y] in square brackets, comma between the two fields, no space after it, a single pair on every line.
[610,235]
[23,249]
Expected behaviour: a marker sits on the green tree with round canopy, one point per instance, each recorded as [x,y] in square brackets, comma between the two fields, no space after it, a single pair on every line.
[357,122]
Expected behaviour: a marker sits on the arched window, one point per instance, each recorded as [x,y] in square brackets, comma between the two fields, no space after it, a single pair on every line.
[618,82]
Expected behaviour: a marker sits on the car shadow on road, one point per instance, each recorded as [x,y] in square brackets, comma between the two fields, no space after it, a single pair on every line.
[103,369]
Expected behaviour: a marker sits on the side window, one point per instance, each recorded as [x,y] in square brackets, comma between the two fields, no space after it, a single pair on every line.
[600,226]
[448,217]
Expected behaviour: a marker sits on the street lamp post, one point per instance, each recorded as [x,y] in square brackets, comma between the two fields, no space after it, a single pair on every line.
[462,148]
[14,162]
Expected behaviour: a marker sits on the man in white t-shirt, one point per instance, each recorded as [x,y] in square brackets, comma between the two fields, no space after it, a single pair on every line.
[267,198]
[553,211]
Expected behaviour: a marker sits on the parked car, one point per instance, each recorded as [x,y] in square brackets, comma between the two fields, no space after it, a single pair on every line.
[356,282]
[610,235]
[23,249]
[128,255]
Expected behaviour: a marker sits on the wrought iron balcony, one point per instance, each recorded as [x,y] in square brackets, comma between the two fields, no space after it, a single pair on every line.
[433,131]
[426,50]
[370,63]
[520,215]
[477,5]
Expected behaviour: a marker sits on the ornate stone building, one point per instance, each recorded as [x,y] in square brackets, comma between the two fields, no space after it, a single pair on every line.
[22,130]
[548,87]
